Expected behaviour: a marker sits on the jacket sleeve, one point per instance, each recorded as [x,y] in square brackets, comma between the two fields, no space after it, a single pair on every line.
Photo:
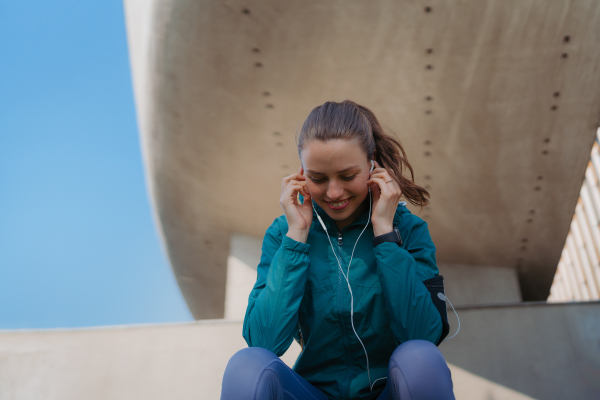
[401,271]
[272,313]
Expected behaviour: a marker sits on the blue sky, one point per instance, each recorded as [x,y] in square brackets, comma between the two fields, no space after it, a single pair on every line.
[78,246]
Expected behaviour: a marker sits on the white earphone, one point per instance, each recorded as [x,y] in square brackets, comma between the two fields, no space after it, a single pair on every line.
[371,170]
[348,274]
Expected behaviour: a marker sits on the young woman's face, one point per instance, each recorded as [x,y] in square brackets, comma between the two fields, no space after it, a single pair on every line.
[336,173]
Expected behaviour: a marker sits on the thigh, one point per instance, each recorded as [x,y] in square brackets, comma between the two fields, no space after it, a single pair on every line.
[258,374]
[417,370]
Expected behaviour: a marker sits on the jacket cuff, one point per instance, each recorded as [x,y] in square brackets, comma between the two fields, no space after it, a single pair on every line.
[293,245]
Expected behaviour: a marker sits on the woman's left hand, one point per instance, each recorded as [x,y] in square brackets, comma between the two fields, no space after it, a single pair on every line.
[386,195]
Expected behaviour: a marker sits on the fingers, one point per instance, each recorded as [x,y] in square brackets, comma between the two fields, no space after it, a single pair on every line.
[390,182]
[294,187]
[299,176]
[304,190]
[374,189]
[379,171]
[387,189]
[383,173]
[378,168]
[292,177]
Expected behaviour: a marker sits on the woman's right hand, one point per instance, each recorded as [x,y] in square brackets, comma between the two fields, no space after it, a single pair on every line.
[299,216]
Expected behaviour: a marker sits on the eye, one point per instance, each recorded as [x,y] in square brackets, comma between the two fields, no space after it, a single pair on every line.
[316,180]
[348,178]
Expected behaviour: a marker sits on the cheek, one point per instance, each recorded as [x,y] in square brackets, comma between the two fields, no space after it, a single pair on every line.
[313,189]
[359,188]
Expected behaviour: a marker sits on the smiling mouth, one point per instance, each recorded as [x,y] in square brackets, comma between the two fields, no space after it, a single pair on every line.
[338,203]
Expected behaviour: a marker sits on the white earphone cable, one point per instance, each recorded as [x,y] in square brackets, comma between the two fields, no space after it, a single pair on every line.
[458,319]
[348,282]
[346,277]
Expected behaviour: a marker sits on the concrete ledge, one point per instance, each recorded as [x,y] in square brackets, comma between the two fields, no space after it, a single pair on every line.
[510,351]
[526,304]
[544,350]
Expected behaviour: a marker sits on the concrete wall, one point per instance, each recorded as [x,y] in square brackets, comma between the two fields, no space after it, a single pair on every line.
[542,350]
[480,285]
[244,256]
[518,352]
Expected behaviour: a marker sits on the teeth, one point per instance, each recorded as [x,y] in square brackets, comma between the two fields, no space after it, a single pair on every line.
[339,204]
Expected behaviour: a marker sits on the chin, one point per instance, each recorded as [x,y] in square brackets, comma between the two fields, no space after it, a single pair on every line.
[340,217]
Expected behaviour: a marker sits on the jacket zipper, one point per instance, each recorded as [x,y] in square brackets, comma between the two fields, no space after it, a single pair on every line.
[341,287]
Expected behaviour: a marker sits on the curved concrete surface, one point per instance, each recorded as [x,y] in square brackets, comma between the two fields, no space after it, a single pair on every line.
[496,103]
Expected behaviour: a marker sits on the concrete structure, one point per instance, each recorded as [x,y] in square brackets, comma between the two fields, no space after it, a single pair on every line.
[496,103]
[187,361]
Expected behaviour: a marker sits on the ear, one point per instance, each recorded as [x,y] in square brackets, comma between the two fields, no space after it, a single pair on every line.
[302,171]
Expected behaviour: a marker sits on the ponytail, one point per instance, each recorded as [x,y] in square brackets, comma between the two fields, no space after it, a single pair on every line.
[391,156]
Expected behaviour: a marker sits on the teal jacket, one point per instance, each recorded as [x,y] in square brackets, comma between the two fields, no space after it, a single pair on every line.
[300,293]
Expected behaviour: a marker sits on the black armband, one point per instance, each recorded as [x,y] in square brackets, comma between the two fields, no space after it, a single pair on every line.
[393,236]
[435,286]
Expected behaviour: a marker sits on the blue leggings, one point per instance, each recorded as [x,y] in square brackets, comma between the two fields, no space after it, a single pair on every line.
[417,371]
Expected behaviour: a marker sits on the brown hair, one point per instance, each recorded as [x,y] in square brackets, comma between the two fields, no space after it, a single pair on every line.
[348,120]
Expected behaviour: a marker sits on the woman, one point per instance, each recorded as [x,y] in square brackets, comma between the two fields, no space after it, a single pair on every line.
[338,277]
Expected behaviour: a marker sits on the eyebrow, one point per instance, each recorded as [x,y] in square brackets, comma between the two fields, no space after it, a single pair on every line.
[339,172]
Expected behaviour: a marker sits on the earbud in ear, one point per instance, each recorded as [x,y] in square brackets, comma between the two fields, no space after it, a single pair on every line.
[371,170]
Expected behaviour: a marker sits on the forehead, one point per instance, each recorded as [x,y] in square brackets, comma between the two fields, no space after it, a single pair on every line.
[333,155]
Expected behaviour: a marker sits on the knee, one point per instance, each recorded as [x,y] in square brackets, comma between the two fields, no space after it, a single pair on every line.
[250,359]
[243,371]
[418,354]
[418,367]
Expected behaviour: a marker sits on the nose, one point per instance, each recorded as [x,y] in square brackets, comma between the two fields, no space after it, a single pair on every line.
[335,191]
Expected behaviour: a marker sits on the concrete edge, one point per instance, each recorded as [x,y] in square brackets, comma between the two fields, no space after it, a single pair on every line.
[525,304]
[236,321]
[119,327]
